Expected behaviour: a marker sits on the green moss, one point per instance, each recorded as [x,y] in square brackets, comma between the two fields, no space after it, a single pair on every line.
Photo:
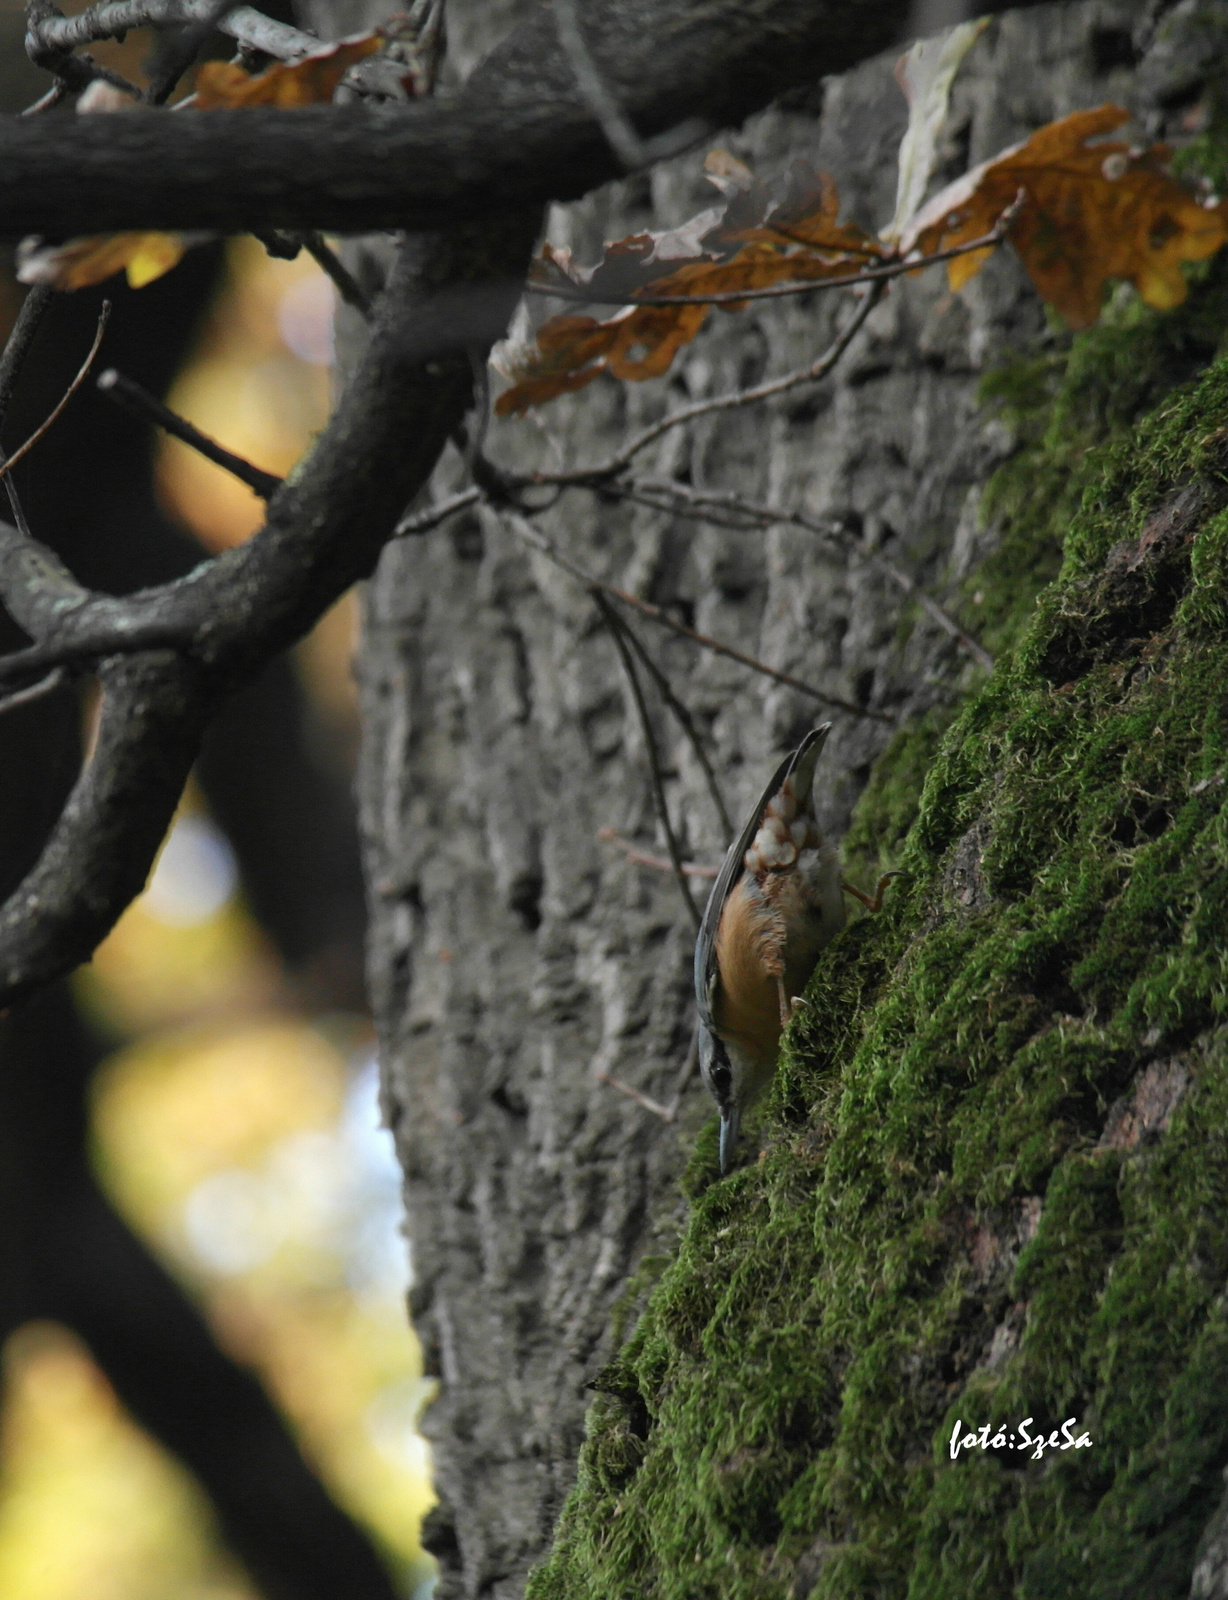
[994,1179]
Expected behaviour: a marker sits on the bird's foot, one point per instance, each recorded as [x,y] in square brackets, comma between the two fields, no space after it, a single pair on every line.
[786,1005]
[873,902]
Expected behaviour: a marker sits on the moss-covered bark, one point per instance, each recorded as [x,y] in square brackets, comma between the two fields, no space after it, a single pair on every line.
[994,1180]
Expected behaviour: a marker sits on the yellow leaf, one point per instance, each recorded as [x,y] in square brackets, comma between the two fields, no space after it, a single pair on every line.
[95,257]
[157,253]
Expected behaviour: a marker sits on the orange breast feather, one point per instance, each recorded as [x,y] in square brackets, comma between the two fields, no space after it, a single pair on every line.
[749,943]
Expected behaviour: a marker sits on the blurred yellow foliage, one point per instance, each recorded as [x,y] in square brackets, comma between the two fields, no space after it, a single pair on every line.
[174,1108]
[260,1104]
[90,1507]
[251,387]
[235,1135]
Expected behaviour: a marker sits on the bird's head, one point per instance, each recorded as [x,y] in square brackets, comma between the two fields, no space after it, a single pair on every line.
[721,1081]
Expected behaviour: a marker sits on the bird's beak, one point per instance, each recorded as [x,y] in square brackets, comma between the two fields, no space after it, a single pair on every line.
[730,1121]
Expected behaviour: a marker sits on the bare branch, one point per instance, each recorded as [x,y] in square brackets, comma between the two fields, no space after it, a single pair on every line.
[149,408]
[23,697]
[325,528]
[687,724]
[644,858]
[647,609]
[24,450]
[344,281]
[418,522]
[52,34]
[621,136]
[744,514]
[29,318]
[603,471]
[617,628]
[666,1113]
[154,711]
[533,536]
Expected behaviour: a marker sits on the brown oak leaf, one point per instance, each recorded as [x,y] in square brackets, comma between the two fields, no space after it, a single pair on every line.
[761,236]
[1089,212]
[310,81]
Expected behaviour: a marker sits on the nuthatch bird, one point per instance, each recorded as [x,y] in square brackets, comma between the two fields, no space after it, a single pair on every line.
[777,901]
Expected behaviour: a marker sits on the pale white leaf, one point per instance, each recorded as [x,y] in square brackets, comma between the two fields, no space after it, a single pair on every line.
[925,75]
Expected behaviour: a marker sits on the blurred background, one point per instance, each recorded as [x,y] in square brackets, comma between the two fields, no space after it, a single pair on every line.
[210,1387]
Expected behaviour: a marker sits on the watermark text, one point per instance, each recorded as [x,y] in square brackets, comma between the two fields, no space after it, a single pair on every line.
[1020,1437]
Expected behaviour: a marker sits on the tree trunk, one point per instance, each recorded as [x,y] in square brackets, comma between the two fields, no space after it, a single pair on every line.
[966,1153]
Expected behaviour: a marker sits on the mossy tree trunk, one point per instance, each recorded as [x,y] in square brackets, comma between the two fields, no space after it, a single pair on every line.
[994,1173]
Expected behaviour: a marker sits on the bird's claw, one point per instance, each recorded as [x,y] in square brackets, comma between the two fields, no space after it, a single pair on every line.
[873,903]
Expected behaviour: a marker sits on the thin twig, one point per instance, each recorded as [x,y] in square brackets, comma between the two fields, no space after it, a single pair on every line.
[33,309]
[721,402]
[682,500]
[643,858]
[687,724]
[15,505]
[481,408]
[666,1113]
[344,281]
[418,522]
[531,535]
[45,102]
[618,630]
[175,52]
[36,691]
[22,450]
[620,135]
[688,1066]
[647,609]
[775,291]
[132,397]
[112,18]
[930,606]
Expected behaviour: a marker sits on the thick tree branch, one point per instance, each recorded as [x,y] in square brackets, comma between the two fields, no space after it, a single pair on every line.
[447,294]
[520,133]
[154,711]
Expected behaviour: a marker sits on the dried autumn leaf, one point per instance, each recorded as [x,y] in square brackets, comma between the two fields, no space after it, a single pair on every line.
[925,76]
[760,237]
[312,80]
[90,260]
[1089,213]
[572,350]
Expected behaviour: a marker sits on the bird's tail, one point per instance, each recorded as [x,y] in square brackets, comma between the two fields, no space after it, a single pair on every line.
[801,768]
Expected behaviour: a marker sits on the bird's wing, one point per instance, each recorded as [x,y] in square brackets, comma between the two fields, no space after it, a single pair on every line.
[731,870]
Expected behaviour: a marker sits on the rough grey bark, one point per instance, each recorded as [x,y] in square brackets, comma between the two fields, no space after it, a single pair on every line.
[514,958]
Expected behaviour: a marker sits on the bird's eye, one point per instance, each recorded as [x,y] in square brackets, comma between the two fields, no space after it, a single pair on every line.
[720,1078]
